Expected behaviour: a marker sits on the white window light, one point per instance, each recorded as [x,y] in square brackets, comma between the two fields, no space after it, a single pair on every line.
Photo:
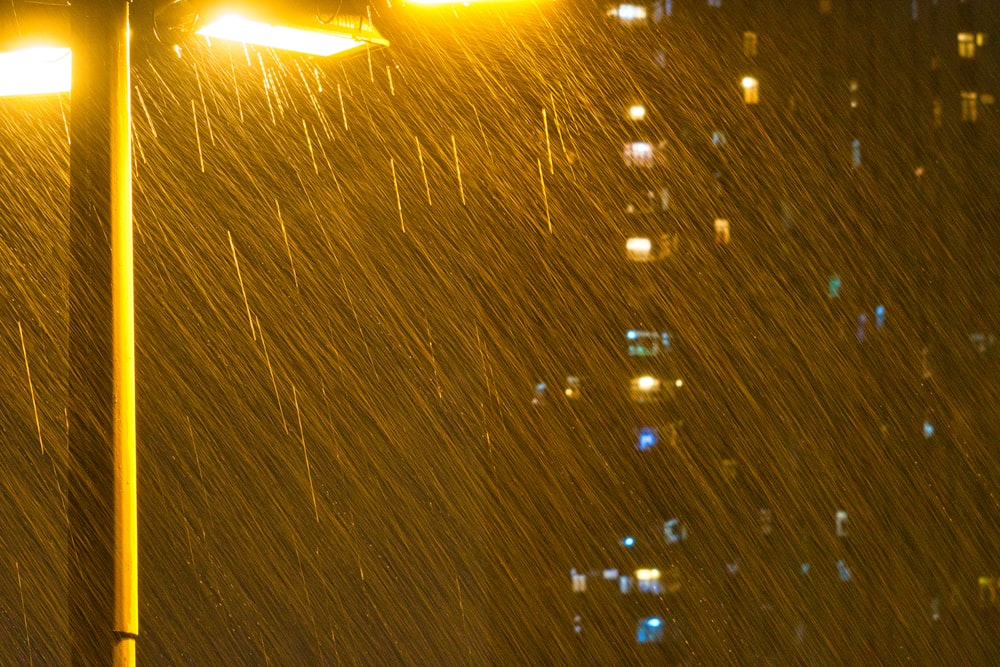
[637,112]
[647,383]
[638,154]
[648,580]
[628,13]
[841,523]
[639,249]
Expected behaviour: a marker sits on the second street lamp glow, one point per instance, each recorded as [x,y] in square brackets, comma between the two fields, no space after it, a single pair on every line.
[233,27]
[36,70]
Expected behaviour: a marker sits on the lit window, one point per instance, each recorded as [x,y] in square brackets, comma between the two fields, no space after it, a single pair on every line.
[879,316]
[662,8]
[714,3]
[639,249]
[647,343]
[970,110]
[730,469]
[966,45]
[833,287]
[843,571]
[988,587]
[648,581]
[841,523]
[674,531]
[650,630]
[573,388]
[624,584]
[647,438]
[853,86]
[928,430]
[914,10]
[637,112]
[718,138]
[862,323]
[579,582]
[539,398]
[721,231]
[766,520]
[938,113]
[645,249]
[751,90]
[980,39]
[638,154]
[646,389]
[750,44]
[856,153]
[983,342]
[628,13]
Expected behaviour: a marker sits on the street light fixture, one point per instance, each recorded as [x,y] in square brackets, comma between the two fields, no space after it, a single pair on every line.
[34,49]
[302,26]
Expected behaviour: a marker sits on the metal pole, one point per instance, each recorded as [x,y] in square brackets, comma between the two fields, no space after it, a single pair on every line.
[103,577]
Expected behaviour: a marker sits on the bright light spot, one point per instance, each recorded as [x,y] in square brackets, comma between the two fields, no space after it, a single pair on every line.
[647,382]
[630,12]
[647,438]
[654,622]
[928,430]
[645,574]
[678,383]
[641,148]
[235,28]
[749,82]
[629,541]
[637,112]
[638,244]
[35,71]
[632,334]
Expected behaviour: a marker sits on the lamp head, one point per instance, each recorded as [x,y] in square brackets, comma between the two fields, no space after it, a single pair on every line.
[314,27]
[34,48]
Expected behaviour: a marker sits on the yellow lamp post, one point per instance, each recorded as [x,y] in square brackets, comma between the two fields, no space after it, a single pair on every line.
[103,538]
[86,45]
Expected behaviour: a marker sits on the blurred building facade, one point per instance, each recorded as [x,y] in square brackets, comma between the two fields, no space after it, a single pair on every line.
[783,331]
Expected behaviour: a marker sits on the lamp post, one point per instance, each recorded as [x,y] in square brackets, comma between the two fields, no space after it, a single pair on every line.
[103,543]
[102,509]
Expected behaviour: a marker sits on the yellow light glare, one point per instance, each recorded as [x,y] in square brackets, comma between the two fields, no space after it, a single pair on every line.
[647,382]
[647,574]
[637,112]
[464,3]
[36,70]
[235,28]
[749,82]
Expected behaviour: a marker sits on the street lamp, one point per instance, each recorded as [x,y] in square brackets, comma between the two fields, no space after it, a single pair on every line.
[92,51]
[102,512]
